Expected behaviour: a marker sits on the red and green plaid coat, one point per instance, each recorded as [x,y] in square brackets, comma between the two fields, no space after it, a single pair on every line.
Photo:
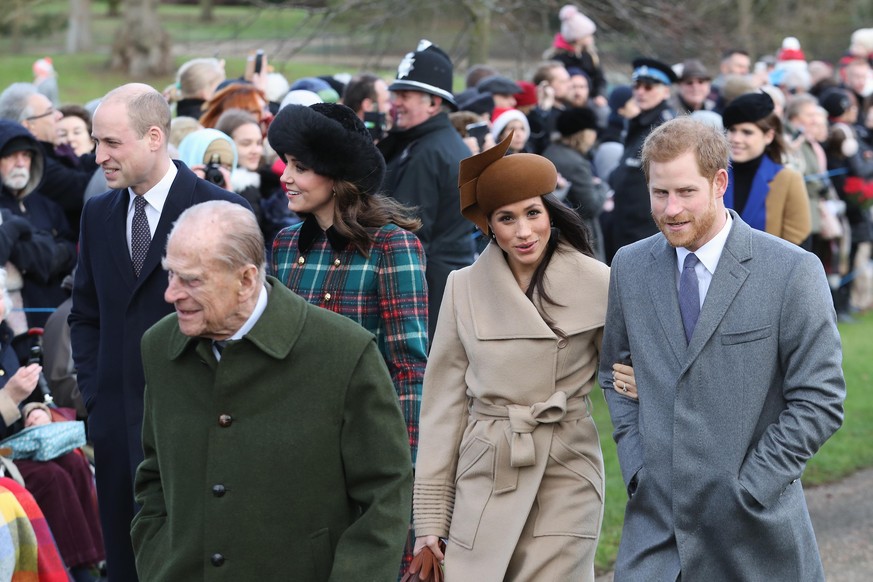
[385,293]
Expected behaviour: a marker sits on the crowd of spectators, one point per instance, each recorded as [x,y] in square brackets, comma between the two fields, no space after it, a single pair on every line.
[800,129]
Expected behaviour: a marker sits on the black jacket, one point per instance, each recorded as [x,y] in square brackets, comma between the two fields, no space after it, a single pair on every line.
[632,217]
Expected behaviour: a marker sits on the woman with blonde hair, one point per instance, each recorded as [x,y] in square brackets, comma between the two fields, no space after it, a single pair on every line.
[196,83]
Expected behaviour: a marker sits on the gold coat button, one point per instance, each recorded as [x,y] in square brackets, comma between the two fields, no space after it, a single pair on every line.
[336,262]
[301,260]
[327,296]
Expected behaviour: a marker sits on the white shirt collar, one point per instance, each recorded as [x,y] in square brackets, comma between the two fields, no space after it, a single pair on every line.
[260,306]
[157,195]
[710,253]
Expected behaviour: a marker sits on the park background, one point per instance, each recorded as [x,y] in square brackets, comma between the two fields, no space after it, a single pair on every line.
[97,45]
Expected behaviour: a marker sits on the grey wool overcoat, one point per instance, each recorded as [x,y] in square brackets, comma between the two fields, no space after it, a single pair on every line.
[724,426]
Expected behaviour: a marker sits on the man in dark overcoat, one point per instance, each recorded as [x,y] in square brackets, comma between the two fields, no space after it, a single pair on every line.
[423,153]
[274,444]
[114,302]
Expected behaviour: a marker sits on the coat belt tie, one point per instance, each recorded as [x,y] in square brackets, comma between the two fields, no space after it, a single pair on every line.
[523,420]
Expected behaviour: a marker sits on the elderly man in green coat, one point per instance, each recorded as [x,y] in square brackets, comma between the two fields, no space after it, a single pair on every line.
[274,444]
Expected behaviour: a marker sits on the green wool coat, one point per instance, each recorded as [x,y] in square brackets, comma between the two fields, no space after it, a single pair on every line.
[288,460]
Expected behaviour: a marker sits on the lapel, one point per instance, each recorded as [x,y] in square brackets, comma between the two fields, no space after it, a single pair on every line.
[116,229]
[502,311]
[729,277]
[179,198]
[661,280]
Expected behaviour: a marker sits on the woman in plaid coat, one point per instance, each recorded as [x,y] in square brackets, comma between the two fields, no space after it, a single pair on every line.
[354,253]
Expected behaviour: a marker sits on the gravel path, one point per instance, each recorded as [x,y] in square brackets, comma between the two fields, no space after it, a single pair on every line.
[842,515]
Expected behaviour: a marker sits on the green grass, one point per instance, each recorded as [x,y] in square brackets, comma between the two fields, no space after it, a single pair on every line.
[849,450]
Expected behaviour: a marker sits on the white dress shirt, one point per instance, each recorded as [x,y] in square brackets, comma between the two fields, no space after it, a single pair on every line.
[155,198]
[708,256]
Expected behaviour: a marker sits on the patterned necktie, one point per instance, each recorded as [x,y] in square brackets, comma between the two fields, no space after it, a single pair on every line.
[689,296]
[140,235]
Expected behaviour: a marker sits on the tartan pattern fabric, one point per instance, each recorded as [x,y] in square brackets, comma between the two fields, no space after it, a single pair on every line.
[385,293]
[27,548]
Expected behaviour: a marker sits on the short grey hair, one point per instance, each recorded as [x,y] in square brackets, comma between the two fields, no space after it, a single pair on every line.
[14,102]
[241,242]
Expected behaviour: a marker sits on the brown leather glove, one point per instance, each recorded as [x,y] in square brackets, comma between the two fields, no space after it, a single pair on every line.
[425,567]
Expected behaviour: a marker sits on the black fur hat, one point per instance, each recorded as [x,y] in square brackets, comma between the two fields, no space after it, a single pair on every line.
[331,140]
[574,120]
[747,108]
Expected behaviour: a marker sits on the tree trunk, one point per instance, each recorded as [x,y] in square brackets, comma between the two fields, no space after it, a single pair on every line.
[206,12]
[79,28]
[17,25]
[142,47]
[480,35]
[113,8]
[744,26]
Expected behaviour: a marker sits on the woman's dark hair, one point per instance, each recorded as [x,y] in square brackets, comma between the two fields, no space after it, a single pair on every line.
[569,227]
[776,148]
[354,212]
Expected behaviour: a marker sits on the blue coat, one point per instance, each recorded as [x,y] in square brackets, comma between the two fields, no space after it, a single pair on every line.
[724,425]
[111,311]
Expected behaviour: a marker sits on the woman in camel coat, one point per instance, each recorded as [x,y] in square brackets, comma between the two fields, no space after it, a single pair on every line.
[767,195]
[509,465]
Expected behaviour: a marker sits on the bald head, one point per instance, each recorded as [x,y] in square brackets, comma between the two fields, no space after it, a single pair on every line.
[146,107]
[227,233]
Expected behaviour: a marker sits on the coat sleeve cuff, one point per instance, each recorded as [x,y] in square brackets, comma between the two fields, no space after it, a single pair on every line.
[432,506]
[8,409]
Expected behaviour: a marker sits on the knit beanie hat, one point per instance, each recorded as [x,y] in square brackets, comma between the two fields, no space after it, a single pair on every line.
[619,97]
[528,95]
[330,139]
[574,24]
[501,118]
[492,179]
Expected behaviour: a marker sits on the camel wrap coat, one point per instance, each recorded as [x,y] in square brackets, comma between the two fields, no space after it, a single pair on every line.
[510,467]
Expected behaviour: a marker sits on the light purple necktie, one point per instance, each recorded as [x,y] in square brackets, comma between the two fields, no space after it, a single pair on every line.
[689,295]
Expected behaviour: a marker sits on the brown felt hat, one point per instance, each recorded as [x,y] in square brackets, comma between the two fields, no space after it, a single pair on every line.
[491,179]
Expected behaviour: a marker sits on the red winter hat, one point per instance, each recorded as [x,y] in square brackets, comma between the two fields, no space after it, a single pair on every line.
[528,95]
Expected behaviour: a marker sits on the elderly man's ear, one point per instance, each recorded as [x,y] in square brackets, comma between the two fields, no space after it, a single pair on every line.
[249,282]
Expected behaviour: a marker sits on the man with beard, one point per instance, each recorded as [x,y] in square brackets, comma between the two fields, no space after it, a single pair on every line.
[65,176]
[37,273]
[733,341]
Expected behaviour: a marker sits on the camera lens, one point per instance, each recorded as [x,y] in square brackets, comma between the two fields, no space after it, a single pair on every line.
[213,174]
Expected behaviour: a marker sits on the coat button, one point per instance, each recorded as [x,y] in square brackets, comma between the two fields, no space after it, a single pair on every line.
[562,343]
[225,420]
[336,262]
[217,560]
[219,490]
[301,260]
[327,296]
